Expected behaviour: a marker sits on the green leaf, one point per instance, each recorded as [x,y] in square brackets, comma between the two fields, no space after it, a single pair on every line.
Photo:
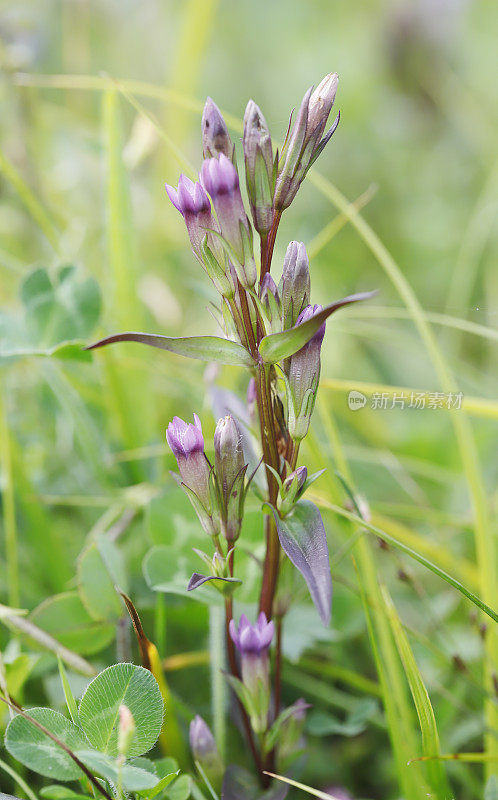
[66,619]
[277,346]
[205,348]
[122,684]
[99,571]
[304,541]
[36,751]
[134,778]
[167,570]
[56,792]
[436,775]
[180,789]
[60,308]
[70,701]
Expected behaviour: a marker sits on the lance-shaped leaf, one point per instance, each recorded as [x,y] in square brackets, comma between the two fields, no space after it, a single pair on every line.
[304,541]
[198,580]
[278,346]
[205,348]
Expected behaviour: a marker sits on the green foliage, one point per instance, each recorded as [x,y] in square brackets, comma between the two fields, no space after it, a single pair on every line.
[65,617]
[122,684]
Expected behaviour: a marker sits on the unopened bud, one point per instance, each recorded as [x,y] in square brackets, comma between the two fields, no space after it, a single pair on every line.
[205,752]
[292,489]
[215,136]
[305,142]
[294,284]
[126,730]
[258,154]
[228,454]
[304,375]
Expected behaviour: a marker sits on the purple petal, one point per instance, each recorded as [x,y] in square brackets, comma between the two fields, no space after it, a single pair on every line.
[173,196]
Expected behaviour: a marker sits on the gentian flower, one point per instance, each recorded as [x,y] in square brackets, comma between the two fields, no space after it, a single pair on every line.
[187,444]
[304,375]
[305,142]
[253,642]
[220,179]
[193,204]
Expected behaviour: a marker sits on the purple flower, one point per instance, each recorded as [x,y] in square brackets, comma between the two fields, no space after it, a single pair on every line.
[305,142]
[215,137]
[187,443]
[253,642]
[220,179]
[304,375]
[252,639]
[193,204]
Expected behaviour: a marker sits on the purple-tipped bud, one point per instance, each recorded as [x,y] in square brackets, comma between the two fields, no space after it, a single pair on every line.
[292,489]
[252,639]
[187,443]
[230,472]
[215,136]
[258,154]
[294,284]
[305,142]
[204,750]
[220,179]
[193,204]
[228,454]
[304,375]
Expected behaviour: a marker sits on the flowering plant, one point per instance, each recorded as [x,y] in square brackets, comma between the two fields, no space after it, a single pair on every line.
[276,334]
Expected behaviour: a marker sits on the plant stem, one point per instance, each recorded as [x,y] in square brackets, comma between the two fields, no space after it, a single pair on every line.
[217,661]
[268,243]
[278,666]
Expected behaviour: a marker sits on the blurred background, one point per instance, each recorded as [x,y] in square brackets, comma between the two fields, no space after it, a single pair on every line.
[100,104]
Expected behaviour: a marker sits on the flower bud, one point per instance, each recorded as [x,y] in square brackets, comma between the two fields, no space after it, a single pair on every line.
[126,730]
[305,142]
[187,444]
[295,284]
[304,375]
[230,472]
[205,752]
[220,179]
[193,204]
[215,136]
[229,458]
[268,293]
[292,489]
[258,156]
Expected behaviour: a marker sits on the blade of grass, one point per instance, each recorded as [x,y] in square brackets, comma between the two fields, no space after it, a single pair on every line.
[416,556]
[484,542]
[9,508]
[436,775]
[18,780]
[69,697]
[31,203]
[218,681]
[392,312]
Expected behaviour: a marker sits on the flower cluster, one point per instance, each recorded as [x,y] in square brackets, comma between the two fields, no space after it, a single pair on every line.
[274,331]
